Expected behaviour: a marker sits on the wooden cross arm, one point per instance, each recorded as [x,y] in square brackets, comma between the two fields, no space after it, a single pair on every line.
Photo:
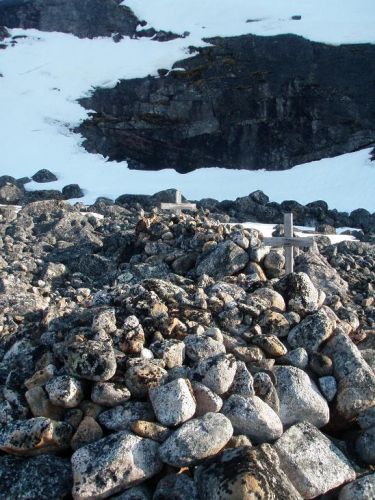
[284,241]
[178,206]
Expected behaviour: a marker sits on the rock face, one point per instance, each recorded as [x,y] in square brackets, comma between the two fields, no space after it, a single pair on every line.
[311,461]
[113,464]
[247,102]
[83,18]
[245,473]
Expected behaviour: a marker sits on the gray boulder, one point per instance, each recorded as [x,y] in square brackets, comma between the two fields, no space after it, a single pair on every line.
[312,331]
[226,259]
[216,372]
[91,360]
[173,403]
[361,489]
[112,464]
[196,440]
[311,461]
[252,417]
[299,398]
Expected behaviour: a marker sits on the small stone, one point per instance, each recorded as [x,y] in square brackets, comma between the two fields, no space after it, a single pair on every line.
[40,405]
[244,473]
[252,417]
[273,264]
[112,464]
[311,461]
[144,376]
[176,486]
[196,440]
[35,436]
[239,441]
[263,299]
[270,344]
[132,338]
[122,417]
[299,398]
[206,400]
[243,382]
[328,386]
[109,394]
[297,357]
[65,391]
[173,403]
[151,430]
[361,489]
[105,321]
[320,364]
[200,347]
[274,323]
[171,351]
[265,389]
[87,432]
[312,331]
[217,373]
[91,360]
[41,377]
[365,446]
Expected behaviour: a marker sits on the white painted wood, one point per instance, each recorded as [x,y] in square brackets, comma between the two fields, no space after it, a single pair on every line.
[289,242]
[178,206]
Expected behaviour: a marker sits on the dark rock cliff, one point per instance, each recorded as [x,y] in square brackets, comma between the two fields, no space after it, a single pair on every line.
[245,102]
[83,18]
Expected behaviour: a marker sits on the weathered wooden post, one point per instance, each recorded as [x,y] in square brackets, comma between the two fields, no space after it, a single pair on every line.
[289,242]
[178,206]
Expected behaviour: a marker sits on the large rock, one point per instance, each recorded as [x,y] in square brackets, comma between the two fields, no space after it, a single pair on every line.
[227,259]
[84,18]
[112,464]
[312,331]
[311,461]
[361,489]
[252,417]
[300,293]
[91,360]
[356,380]
[245,473]
[365,446]
[122,417]
[173,403]
[196,440]
[44,478]
[323,276]
[299,398]
[216,372]
[35,436]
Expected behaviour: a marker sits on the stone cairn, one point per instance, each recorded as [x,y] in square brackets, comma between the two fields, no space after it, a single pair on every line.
[150,355]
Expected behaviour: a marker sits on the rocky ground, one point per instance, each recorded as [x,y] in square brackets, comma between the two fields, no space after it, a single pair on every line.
[146,355]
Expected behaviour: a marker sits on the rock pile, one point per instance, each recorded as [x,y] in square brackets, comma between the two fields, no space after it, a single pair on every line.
[145,355]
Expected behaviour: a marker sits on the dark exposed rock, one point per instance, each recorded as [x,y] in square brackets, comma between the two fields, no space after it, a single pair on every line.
[83,18]
[44,175]
[45,477]
[245,102]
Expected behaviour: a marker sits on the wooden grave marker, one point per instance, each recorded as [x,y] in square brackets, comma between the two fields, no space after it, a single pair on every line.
[289,242]
[178,206]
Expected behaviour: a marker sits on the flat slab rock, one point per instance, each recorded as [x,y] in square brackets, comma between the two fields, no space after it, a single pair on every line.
[112,464]
[244,473]
[311,461]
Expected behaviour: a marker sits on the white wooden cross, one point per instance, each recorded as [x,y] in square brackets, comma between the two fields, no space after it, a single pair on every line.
[288,241]
[178,206]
